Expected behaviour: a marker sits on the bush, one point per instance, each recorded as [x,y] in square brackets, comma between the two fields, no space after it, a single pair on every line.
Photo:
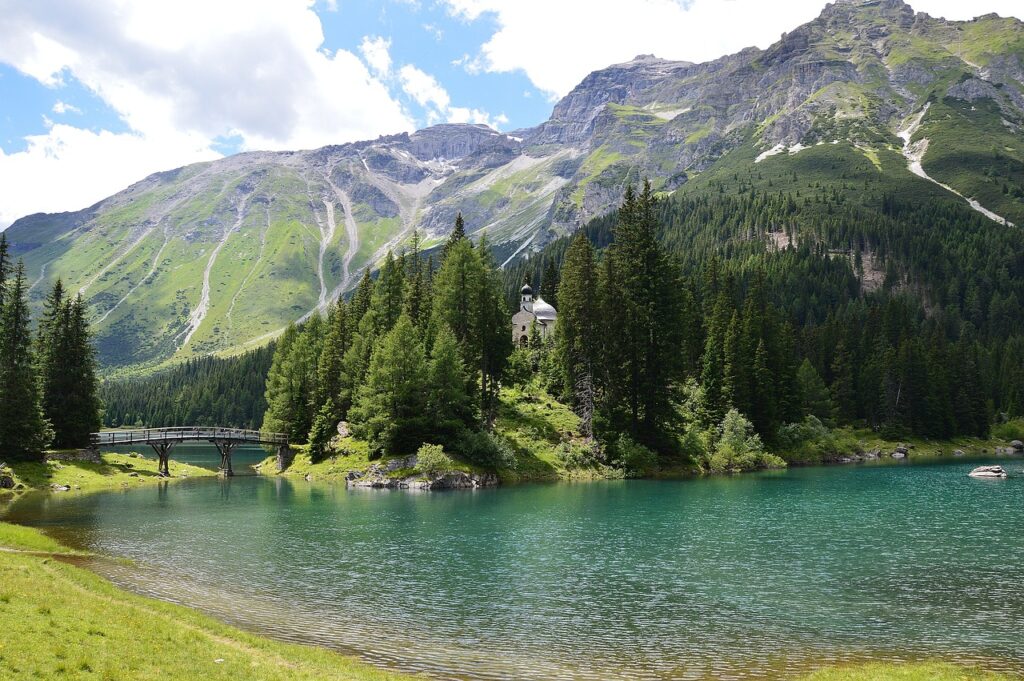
[739,448]
[574,454]
[810,441]
[633,457]
[519,368]
[486,449]
[431,460]
[1011,430]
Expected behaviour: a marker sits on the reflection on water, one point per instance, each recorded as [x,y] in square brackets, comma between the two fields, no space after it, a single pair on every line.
[741,577]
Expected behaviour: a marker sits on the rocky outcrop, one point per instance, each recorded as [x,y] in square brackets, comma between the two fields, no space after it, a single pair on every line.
[1017,446]
[382,476]
[988,472]
[86,455]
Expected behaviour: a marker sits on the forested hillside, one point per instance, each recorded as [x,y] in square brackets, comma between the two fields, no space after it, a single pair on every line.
[210,391]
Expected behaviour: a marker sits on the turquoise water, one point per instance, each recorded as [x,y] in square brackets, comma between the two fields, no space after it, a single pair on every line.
[758,576]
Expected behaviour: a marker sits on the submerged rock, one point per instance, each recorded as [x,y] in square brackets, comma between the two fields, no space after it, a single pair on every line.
[988,472]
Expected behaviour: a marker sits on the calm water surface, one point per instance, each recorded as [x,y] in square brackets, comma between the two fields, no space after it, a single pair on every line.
[758,576]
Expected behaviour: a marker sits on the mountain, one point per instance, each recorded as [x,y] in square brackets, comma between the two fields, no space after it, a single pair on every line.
[219,257]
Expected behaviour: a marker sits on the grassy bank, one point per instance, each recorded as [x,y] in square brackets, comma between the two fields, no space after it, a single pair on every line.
[918,671]
[115,471]
[60,621]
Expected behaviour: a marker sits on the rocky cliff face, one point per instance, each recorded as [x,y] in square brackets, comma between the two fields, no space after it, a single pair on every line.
[221,256]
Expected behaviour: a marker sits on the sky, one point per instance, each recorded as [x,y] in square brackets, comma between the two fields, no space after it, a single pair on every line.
[97,94]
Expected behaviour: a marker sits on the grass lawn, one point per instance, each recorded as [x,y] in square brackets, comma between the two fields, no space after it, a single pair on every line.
[116,471]
[60,621]
[918,671]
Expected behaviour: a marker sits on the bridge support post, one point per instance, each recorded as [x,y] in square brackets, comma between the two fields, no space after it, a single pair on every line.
[225,448]
[285,455]
[163,451]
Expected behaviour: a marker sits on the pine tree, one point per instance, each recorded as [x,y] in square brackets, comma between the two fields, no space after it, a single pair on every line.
[814,394]
[4,268]
[361,299]
[388,294]
[458,234]
[24,432]
[843,385]
[448,403]
[549,283]
[647,283]
[578,331]
[389,411]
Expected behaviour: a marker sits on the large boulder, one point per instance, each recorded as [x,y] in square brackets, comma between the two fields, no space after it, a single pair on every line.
[1017,446]
[6,482]
[988,472]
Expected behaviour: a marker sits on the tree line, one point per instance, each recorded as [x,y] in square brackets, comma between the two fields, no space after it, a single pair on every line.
[204,391]
[48,386]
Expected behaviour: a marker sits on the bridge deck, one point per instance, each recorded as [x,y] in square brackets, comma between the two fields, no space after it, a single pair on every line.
[110,438]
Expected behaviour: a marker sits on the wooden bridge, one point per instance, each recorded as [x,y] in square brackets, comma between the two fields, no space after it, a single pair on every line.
[162,440]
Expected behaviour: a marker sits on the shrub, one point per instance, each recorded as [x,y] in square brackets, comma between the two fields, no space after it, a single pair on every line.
[810,441]
[633,457]
[574,454]
[1011,430]
[431,459]
[486,449]
[519,368]
[739,448]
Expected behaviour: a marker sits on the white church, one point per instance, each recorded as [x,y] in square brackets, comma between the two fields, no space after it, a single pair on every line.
[532,311]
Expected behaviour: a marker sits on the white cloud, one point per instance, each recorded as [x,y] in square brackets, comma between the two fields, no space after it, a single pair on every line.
[431,95]
[603,33]
[69,168]
[186,70]
[376,53]
[63,107]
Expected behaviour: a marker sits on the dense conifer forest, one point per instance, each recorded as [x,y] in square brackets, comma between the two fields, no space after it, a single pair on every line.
[209,391]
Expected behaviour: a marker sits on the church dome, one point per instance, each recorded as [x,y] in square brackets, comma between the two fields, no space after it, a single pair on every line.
[526,290]
[543,310]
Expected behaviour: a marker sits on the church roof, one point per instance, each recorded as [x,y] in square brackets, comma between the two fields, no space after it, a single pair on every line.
[526,290]
[543,310]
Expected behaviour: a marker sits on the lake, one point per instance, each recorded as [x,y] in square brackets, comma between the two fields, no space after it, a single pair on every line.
[741,577]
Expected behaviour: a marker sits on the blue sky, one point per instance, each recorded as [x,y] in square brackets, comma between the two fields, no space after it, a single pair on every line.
[96,94]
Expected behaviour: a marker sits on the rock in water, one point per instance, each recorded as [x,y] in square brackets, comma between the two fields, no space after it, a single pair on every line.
[988,472]
[6,482]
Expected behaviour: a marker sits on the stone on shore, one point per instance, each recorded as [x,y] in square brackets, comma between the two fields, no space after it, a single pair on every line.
[988,472]
[1017,446]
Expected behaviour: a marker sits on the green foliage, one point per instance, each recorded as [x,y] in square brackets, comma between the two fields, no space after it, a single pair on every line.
[486,449]
[1009,430]
[431,460]
[636,459]
[738,448]
[815,399]
[67,369]
[24,431]
[390,407]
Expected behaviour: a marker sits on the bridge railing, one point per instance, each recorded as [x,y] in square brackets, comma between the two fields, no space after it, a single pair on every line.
[110,438]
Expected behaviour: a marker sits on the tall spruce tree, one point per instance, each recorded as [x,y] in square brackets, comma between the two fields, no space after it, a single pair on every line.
[390,407]
[646,362]
[24,431]
[578,331]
